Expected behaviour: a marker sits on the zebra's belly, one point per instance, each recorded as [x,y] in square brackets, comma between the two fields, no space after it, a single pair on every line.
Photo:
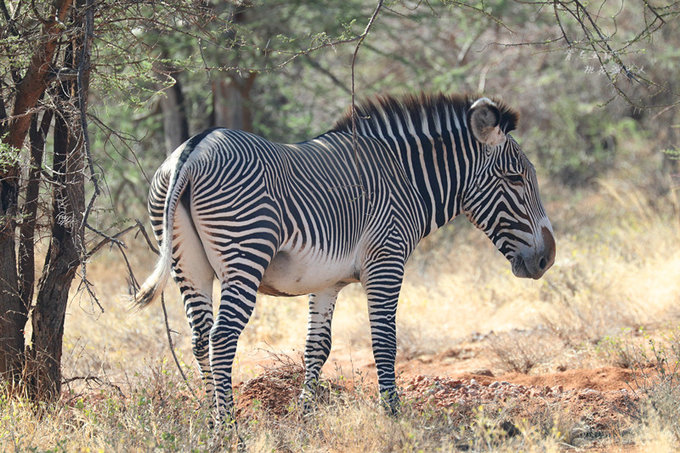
[295,274]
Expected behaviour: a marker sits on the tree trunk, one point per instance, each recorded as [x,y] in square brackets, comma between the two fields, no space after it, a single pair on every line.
[68,208]
[13,312]
[173,108]
[175,125]
[61,262]
[231,91]
[29,210]
[231,102]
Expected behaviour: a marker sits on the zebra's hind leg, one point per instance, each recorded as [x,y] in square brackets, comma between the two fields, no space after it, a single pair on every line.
[318,343]
[236,305]
[382,282]
[240,280]
[198,307]
[194,276]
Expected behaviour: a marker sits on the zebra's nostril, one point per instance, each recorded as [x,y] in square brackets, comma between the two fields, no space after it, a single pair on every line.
[542,263]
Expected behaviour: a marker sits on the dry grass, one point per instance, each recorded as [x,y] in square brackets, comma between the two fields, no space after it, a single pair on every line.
[522,351]
[617,267]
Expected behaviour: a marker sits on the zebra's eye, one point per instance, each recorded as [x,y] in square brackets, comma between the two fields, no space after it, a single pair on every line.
[516,180]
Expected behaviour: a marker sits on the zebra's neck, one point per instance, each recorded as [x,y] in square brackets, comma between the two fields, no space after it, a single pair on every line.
[435,148]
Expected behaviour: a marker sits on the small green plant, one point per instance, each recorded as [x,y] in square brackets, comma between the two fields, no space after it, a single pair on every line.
[673,153]
[656,379]
[9,156]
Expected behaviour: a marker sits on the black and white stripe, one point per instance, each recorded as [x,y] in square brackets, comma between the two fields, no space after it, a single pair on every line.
[312,217]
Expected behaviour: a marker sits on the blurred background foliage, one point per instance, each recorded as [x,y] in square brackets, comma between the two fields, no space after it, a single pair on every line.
[281,69]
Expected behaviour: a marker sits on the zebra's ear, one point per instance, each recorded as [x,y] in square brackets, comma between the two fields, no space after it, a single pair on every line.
[485,121]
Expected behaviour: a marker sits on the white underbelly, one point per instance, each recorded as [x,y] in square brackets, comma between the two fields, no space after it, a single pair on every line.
[296,273]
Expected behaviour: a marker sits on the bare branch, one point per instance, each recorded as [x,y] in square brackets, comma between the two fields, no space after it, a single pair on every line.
[83,74]
[124,140]
[94,379]
[172,348]
[559,23]
[305,52]
[113,240]
[337,82]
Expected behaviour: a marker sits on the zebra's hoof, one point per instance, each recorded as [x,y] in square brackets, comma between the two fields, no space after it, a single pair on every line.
[224,422]
[307,405]
[389,400]
[225,434]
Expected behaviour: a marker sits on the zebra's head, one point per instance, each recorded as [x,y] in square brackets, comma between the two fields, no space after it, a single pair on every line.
[501,196]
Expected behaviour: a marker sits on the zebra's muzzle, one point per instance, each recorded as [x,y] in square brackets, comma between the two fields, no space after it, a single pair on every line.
[535,263]
[534,268]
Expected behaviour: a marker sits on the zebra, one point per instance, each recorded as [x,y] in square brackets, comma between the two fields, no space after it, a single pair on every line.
[347,206]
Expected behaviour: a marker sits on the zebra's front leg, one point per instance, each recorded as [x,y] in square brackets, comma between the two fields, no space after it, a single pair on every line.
[382,282]
[318,344]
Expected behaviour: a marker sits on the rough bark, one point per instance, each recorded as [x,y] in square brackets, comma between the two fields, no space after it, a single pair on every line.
[34,82]
[13,312]
[29,210]
[63,258]
[65,252]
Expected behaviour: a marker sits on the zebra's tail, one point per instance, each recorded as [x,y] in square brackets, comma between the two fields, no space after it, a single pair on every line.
[153,286]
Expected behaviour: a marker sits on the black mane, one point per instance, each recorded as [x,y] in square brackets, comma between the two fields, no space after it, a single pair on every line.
[414,105]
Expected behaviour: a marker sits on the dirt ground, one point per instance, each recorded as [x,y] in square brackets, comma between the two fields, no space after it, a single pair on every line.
[597,402]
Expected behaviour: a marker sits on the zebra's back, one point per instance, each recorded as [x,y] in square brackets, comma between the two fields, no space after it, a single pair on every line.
[325,205]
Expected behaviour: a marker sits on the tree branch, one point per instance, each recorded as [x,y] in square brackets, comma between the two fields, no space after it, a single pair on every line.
[337,82]
[33,84]
[172,347]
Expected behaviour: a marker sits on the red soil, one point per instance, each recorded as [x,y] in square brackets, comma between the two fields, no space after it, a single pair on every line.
[598,398]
